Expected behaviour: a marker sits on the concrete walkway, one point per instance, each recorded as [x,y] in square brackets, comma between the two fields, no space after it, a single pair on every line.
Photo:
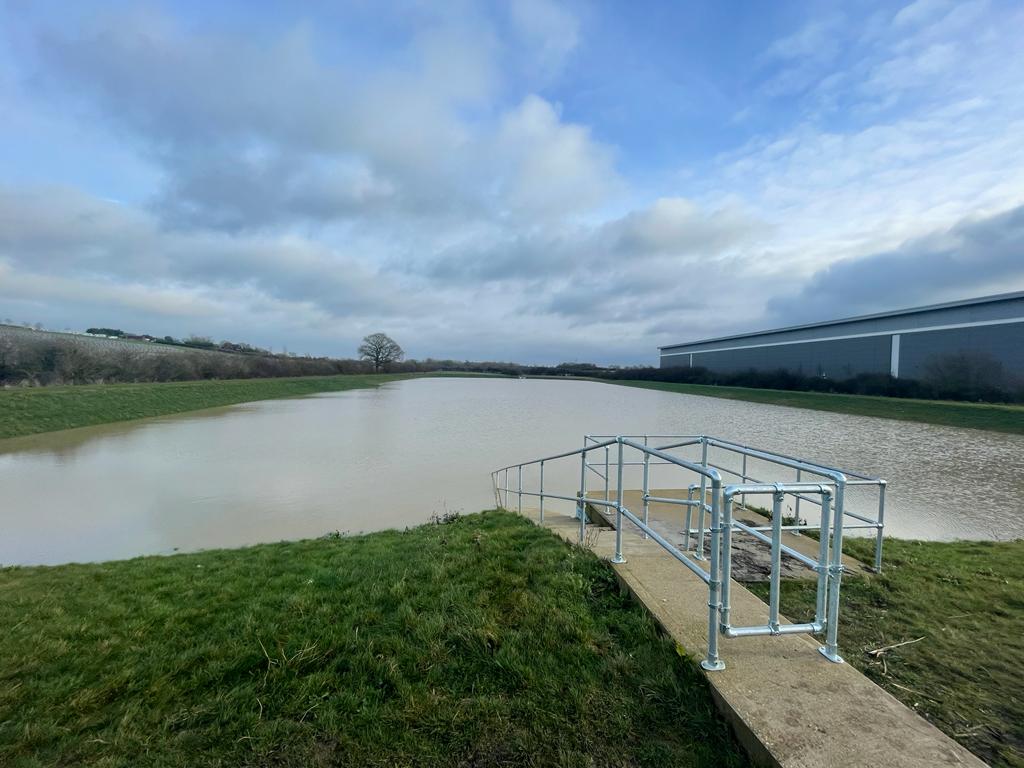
[788,705]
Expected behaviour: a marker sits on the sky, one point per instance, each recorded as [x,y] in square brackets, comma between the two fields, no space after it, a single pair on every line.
[535,181]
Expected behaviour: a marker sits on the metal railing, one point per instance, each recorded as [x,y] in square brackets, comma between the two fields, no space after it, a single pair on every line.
[802,468]
[717,502]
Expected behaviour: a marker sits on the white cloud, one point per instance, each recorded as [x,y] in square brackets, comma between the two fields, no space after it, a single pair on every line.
[308,191]
[548,167]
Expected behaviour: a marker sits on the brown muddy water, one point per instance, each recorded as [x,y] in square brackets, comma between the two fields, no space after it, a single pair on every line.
[372,459]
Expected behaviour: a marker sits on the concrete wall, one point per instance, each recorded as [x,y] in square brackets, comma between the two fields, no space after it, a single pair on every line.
[902,343]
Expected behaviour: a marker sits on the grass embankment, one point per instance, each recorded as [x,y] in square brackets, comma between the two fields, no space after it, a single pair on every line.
[484,641]
[966,600]
[998,418]
[43,409]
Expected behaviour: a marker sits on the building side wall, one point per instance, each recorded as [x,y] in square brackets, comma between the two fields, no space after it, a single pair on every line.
[843,358]
[1004,343]
[1003,309]
[834,359]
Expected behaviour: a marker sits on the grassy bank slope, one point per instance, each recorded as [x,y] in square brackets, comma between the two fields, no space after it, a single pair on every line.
[484,641]
[28,411]
[966,600]
[998,418]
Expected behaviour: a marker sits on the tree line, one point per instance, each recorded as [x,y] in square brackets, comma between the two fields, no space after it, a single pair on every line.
[46,359]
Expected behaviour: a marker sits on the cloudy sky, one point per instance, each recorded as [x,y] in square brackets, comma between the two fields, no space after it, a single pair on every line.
[536,181]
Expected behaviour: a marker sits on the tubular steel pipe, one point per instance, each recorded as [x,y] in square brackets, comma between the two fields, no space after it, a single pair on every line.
[711,474]
[881,526]
[835,577]
[558,455]
[542,491]
[724,609]
[646,487]
[744,478]
[606,496]
[689,515]
[812,628]
[520,486]
[703,498]
[758,453]
[822,567]
[712,662]
[618,511]
[670,500]
[581,504]
[776,575]
[796,512]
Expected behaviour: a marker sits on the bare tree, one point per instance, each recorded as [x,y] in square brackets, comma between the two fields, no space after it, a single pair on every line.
[381,350]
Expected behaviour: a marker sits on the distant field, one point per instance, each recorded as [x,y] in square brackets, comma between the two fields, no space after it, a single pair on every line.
[21,335]
[43,409]
[996,418]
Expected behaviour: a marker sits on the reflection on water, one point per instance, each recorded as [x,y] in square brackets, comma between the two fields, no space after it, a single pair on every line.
[390,457]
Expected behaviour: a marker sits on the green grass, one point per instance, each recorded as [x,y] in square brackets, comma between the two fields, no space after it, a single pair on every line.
[966,599]
[29,411]
[481,642]
[997,418]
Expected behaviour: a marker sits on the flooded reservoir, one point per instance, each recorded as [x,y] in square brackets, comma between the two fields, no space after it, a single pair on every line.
[390,457]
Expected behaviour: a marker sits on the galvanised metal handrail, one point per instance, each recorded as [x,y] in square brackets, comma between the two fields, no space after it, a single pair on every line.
[780,459]
[828,494]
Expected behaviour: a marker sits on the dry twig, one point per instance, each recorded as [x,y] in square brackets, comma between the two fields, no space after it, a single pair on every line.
[886,648]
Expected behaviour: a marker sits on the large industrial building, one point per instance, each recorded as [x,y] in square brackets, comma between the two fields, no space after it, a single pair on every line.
[902,343]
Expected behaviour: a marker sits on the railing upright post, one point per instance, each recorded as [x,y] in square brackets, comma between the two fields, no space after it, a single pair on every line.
[647,488]
[796,511]
[835,576]
[881,526]
[820,617]
[712,662]
[726,563]
[505,504]
[689,517]
[581,505]
[542,491]
[618,510]
[743,476]
[702,508]
[606,475]
[776,554]
[519,487]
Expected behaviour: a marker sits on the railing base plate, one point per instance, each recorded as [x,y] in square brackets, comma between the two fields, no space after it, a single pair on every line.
[835,658]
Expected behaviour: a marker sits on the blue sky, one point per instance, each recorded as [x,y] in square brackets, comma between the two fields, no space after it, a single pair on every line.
[535,180]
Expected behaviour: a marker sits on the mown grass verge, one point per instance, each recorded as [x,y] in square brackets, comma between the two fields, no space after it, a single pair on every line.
[43,409]
[997,418]
[966,601]
[484,641]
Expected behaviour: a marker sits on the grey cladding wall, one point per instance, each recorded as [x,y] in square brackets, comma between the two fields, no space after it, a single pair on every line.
[903,342]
